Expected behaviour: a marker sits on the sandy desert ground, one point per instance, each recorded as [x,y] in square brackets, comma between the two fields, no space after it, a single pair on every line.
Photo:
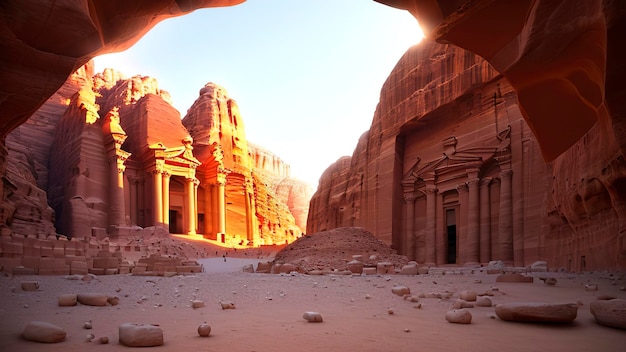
[269,309]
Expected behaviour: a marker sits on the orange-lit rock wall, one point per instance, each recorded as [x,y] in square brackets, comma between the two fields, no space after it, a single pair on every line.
[449,172]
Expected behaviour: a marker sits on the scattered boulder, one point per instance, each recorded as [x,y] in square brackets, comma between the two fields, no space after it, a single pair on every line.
[515,277]
[67,300]
[460,304]
[113,300]
[93,299]
[197,304]
[227,305]
[536,312]
[204,330]
[140,335]
[104,340]
[312,317]
[468,295]
[30,285]
[459,316]
[483,301]
[41,331]
[610,312]
[286,268]
[409,269]
[401,290]
[591,287]
[355,266]
[264,267]
[248,268]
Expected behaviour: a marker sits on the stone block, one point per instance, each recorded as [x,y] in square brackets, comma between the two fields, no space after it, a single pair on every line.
[79,268]
[312,317]
[409,269]
[534,312]
[97,271]
[31,262]
[58,252]
[459,316]
[21,270]
[384,268]
[41,331]
[67,300]
[92,299]
[609,312]
[264,267]
[32,251]
[29,285]
[140,335]
[369,271]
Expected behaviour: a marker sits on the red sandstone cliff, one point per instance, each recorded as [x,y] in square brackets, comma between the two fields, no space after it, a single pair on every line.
[449,172]
[261,187]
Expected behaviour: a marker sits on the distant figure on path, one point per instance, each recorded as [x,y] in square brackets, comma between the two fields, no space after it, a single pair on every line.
[224,256]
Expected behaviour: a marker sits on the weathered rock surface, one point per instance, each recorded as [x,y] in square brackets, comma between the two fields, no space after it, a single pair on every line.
[401,290]
[67,300]
[610,312]
[459,316]
[312,317]
[422,126]
[92,299]
[140,335]
[535,312]
[41,331]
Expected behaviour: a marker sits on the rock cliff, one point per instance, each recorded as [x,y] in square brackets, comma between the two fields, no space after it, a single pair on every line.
[449,172]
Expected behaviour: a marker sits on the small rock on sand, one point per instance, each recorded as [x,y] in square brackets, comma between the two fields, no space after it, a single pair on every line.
[312,317]
[459,316]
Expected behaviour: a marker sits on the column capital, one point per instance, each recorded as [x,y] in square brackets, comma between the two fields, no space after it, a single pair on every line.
[166,174]
[430,189]
[409,197]
[473,182]
[506,173]
[485,181]
[462,188]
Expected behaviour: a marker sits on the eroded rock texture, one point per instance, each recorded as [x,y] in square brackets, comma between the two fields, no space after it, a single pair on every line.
[120,159]
[450,172]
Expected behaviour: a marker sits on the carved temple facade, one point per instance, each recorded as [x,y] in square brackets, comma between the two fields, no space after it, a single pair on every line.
[127,160]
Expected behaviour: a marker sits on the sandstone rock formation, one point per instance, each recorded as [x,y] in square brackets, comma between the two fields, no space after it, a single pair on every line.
[449,172]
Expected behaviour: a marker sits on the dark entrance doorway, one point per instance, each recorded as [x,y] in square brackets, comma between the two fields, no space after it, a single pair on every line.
[173,221]
[451,236]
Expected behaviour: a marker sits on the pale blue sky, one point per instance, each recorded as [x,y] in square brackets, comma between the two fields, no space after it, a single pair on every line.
[306,74]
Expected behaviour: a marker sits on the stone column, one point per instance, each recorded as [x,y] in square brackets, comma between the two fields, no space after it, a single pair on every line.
[157,197]
[166,199]
[208,211]
[473,219]
[221,205]
[114,136]
[485,220]
[413,250]
[505,229]
[189,207]
[461,228]
[117,208]
[441,231]
[431,220]
[132,192]
[141,202]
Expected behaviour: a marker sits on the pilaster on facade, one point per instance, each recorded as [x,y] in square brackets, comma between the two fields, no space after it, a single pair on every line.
[431,220]
[505,223]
